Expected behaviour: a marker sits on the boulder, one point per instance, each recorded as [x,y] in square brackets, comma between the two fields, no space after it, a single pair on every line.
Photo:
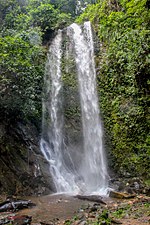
[120,195]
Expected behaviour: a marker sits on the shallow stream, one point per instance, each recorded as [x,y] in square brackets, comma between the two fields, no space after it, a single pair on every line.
[53,207]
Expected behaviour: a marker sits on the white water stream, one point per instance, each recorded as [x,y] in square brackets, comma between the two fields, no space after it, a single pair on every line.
[91,176]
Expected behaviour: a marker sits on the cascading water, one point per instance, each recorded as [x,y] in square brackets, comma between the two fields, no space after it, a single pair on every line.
[91,173]
[93,169]
[52,140]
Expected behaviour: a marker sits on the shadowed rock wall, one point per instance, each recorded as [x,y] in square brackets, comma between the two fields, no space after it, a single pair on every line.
[23,170]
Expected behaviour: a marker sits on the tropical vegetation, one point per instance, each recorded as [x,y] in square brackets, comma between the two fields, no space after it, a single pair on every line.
[123,62]
[122,59]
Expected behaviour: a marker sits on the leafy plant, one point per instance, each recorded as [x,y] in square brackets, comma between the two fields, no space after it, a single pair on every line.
[123,79]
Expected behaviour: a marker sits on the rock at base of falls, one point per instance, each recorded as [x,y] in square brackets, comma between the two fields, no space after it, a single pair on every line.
[23,169]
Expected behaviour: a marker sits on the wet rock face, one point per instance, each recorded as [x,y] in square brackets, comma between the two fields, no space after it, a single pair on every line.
[132,185]
[23,169]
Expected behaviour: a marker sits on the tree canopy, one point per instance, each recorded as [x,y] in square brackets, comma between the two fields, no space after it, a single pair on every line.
[22,57]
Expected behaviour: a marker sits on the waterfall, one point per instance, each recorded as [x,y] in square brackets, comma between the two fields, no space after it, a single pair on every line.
[74,169]
[52,137]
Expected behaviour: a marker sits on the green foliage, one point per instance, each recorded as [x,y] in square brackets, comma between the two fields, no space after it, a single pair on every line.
[66,6]
[25,26]
[122,61]
[122,211]
[68,222]
[104,218]
[35,13]
[21,64]
[123,79]
[147,182]
[135,211]
[70,85]
[101,218]
[46,17]
[73,7]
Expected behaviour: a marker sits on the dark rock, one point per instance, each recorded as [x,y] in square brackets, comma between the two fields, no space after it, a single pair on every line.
[23,169]
[21,220]
[93,198]
[114,194]
[15,204]
[94,208]
[44,223]
[16,220]
[82,223]
[133,185]
[115,221]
